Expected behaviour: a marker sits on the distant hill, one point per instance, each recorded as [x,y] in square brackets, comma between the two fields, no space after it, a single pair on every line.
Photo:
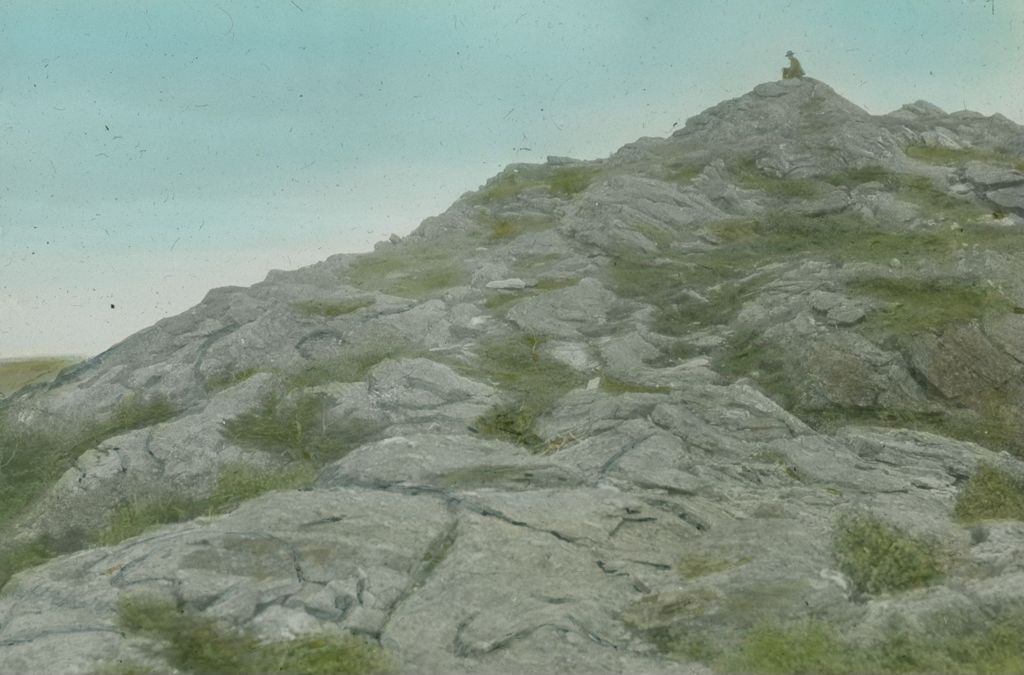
[17,373]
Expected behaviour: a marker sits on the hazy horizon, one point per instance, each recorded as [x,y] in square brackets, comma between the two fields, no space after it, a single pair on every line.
[153,151]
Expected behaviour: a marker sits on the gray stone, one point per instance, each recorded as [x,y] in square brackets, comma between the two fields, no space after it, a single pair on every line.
[513,284]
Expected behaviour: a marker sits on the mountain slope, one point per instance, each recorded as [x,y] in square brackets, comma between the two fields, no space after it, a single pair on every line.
[652,413]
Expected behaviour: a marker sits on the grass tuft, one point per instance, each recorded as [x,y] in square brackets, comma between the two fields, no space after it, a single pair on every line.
[351,365]
[236,484]
[531,381]
[296,427]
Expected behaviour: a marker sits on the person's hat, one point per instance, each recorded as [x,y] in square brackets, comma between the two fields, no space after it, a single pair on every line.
[789,53]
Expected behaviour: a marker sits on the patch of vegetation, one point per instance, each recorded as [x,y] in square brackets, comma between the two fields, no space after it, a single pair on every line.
[193,643]
[128,667]
[683,171]
[953,156]
[18,373]
[240,482]
[928,305]
[779,459]
[878,557]
[564,181]
[748,175]
[511,226]
[236,484]
[296,427]
[661,235]
[32,459]
[857,176]
[331,309]
[990,494]
[14,559]
[135,517]
[227,378]
[410,270]
[615,386]
[946,643]
[513,423]
[695,565]
[748,355]
[532,382]
[554,283]
[351,365]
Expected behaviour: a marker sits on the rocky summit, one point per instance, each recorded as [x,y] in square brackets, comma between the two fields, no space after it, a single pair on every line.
[743,399]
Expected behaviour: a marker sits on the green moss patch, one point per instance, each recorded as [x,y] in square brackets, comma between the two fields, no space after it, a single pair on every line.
[193,643]
[990,493]
[332,309]
[878,557]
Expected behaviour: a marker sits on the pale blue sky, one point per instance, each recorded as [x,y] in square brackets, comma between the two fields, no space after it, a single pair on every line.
[152,150]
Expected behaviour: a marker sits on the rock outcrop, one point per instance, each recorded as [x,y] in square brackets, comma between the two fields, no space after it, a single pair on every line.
[759,379]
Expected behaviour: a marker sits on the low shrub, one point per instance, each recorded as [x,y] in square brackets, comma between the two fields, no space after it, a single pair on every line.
[990,493]
[879,557]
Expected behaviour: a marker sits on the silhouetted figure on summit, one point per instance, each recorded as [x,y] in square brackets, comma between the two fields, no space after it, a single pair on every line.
[794,70]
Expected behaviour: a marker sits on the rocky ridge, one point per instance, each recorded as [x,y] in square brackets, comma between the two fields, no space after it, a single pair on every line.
[599,416]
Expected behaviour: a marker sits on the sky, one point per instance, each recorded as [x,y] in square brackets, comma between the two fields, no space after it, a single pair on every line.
[150,151]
